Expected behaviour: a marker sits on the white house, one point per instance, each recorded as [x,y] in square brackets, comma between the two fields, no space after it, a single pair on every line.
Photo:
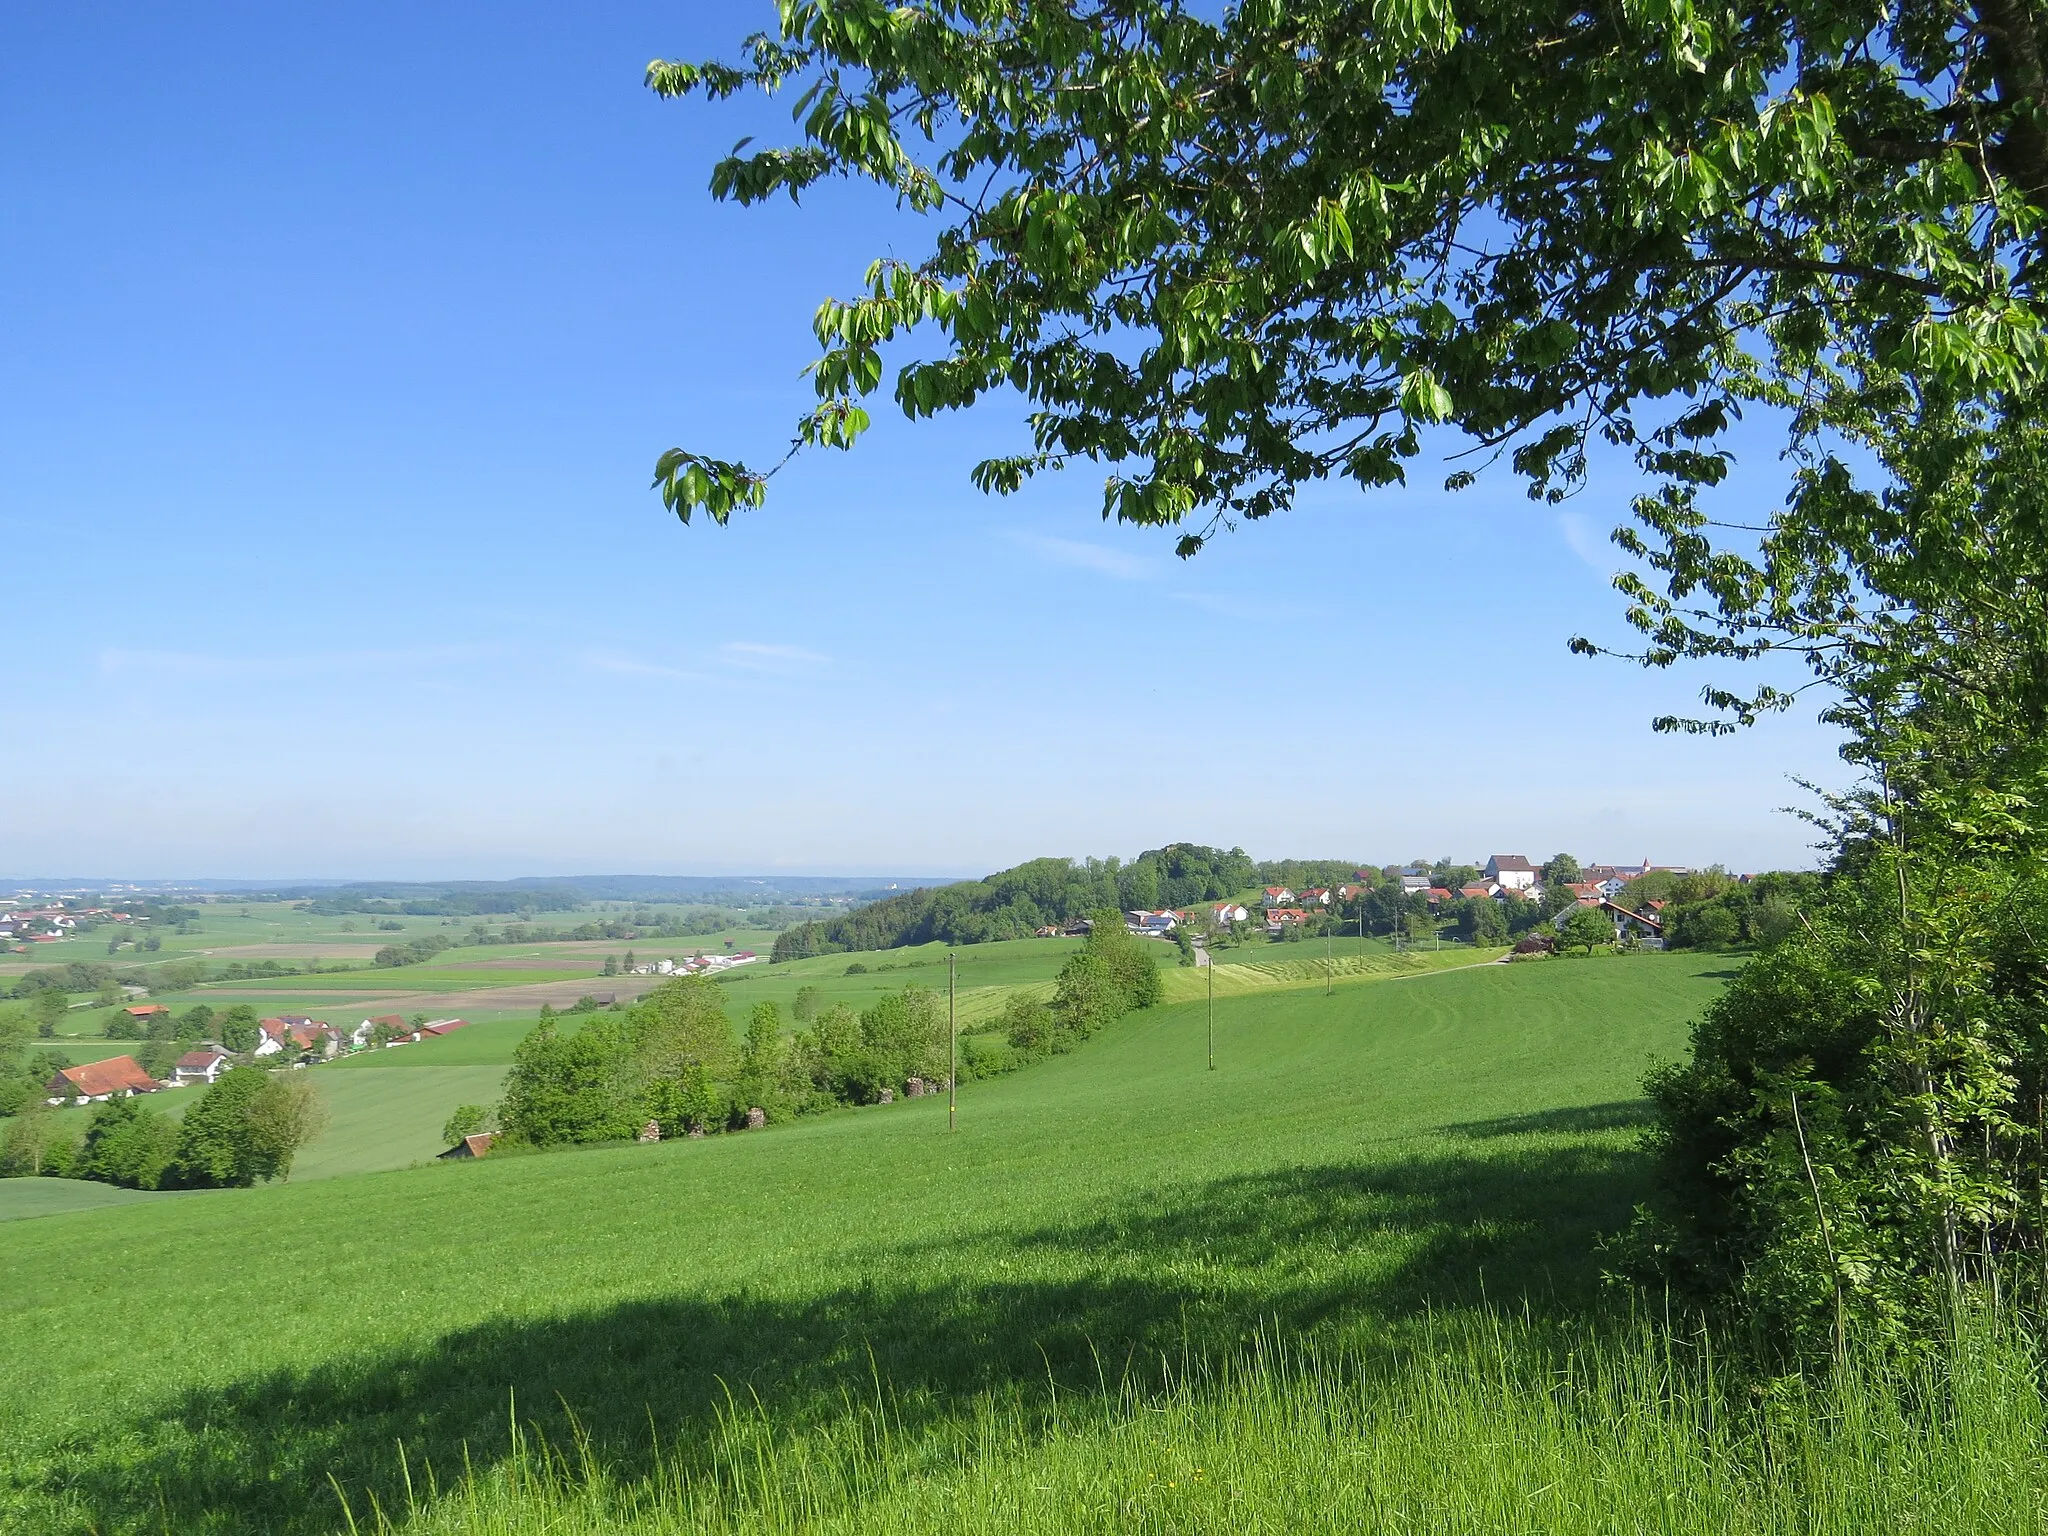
[199,1067]
[1228,912]
[1278,896]
[1415,885]
[1151,922]
[1511,872]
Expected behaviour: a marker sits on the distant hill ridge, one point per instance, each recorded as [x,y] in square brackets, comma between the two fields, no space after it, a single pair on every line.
[1014,903]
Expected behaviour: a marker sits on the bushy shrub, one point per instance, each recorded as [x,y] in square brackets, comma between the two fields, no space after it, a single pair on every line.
[128,1143]
[1855,1137]
[246,1127]
[467,1120]
[35,1142]
[575,1088]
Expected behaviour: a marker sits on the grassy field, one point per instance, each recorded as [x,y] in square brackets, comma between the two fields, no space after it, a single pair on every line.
[56,1197]
[988,973]
[1356,1165]
[1349,1281]
[386,1120]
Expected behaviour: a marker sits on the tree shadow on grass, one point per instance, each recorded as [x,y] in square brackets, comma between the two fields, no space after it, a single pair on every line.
[1578,1119]
[1335,1250]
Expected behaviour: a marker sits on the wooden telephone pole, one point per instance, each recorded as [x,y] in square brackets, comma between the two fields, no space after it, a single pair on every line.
[1211,968]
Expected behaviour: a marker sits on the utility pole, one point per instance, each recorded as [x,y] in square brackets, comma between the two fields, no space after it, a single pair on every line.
[1212,1011]
[953,1032]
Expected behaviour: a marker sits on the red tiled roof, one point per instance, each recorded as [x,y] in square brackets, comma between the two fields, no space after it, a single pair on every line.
[114,1075]
[146,1010]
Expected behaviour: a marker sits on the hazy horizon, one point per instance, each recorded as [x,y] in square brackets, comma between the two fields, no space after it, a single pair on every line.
[327,484]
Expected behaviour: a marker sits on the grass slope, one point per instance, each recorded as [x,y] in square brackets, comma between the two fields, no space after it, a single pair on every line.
[1356,1164]
[21,1198]
[383,1120]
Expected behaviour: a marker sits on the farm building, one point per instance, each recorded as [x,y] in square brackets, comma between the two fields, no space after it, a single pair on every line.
[470,1146]
[118,1077]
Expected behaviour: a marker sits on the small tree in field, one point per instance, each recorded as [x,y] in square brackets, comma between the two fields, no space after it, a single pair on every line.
[1587,929]
[34,1142]
[467,1120]
[283,1119]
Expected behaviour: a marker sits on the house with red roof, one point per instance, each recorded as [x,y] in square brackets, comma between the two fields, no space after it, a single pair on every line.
[471,1146]
[118,1077]
[1280,918]
[443,1026]
[1278,896]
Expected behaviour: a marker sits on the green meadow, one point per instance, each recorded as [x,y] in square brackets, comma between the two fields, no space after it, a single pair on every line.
[1355,1165]
[55,1197]
[381,1120]
[1348,1280]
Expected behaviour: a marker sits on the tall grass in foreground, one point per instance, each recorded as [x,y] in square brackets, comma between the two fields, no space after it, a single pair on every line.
[1474,1426]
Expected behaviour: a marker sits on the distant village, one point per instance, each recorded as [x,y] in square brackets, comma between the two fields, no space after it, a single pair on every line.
[1279,911]
[295,1040]
[1504,878]
[288,1040]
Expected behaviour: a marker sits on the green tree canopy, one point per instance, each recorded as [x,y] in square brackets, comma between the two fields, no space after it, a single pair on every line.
[1230,254]
[218,1144]
[128,1143]
[1587,928]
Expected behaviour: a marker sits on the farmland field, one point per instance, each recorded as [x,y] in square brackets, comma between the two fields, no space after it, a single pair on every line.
[390,1119]
[55,1197]
[1356,1163]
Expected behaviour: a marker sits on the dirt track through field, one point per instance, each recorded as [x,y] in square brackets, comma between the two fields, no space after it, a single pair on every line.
[526,999]
[293,952]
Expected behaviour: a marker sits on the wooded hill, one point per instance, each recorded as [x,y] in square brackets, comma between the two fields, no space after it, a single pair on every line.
[1015,902]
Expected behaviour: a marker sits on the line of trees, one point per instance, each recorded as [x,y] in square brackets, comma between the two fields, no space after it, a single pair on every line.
[672,1058]
[249,1126]
[1111,975]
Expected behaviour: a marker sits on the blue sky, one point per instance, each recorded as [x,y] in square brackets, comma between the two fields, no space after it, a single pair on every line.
[336,347]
